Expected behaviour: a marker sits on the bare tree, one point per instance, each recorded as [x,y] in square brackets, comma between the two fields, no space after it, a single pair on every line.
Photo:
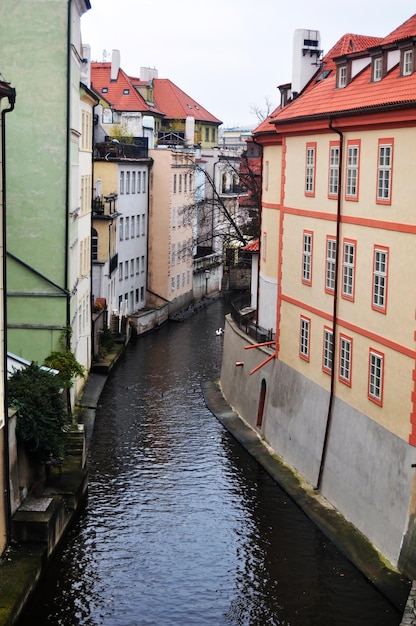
[263,112]
[227,201]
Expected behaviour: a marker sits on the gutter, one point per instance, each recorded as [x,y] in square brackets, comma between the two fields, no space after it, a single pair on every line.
[6,454]
[334,311]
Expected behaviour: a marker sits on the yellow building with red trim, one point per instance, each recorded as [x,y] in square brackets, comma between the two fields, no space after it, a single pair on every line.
[337,252]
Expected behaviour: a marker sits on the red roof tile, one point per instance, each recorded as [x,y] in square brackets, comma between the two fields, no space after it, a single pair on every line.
[176,104]
[407,29]
[321,97]
[253,246]
[121,93]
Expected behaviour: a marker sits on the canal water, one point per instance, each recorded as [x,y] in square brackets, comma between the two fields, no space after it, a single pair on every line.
[181,526]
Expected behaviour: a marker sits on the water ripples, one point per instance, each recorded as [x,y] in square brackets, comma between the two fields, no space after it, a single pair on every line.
[181,526]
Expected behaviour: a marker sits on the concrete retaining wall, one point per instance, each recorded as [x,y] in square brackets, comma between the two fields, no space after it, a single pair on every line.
[367,474]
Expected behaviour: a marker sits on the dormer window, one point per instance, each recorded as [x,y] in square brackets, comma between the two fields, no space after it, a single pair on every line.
[126,92]
[377,69]
[407,62]
[104,90]
[342,76]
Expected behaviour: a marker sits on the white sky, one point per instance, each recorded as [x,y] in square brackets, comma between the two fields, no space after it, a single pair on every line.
[229,55]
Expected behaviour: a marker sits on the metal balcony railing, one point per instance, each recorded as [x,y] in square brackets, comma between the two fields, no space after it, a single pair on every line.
[244,316]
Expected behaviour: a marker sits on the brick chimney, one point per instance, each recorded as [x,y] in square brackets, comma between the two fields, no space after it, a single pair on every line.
[115,64]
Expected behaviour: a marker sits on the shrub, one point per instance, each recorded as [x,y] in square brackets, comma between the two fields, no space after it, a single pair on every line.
[41,416]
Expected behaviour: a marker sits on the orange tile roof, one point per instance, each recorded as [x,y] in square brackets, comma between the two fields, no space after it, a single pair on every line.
[253,246]
[407,29]
[121,93]
[176,104]
[321,97]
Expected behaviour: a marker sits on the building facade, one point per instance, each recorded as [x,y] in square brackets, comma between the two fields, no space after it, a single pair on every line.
[334,395]
[48,257]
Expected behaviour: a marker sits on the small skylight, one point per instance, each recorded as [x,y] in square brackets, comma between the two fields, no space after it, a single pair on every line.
[104,90]
[126,92]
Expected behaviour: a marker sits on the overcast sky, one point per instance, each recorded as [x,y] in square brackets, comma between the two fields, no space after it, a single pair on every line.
[229,55]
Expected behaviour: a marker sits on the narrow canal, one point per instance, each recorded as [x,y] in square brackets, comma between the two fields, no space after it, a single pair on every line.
[181,526]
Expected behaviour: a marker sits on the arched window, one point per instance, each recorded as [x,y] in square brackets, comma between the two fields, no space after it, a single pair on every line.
[94,244]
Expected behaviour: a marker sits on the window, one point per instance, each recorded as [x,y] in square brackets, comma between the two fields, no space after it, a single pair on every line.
[328,351]
[180,183]
[142,293]
[330,264]
[121,229]
[345,355]
[375,376]
[333,169]
[172,284]
[266,176]
[213,134]
[342,76]
[126,270]
[133,182]
[127,182]
[121,182]
[137,265]
[206,134]
[380,262]
[407,62]
[127,228]
[310,169]
[304,338]
[132,225]
[142,262]
[307,258]
[173,254]
[139,182]
[132,267]
[353,153]
[348,270]
[173,217]
[178,281]
[143,224]
[377,69]
[94,244]
[384,170]
[144,189]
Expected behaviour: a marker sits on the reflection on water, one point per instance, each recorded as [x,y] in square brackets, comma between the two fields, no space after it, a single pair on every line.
[181,526]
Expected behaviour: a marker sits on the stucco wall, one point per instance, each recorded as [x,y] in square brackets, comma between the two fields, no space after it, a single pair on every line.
[367,474]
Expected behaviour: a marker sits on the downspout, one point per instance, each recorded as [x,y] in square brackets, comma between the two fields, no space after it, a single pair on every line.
[335,310]
[6,454]
[260,223]
[68,173]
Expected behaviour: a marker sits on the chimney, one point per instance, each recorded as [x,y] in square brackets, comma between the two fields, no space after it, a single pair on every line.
[148,73]
[306,53]
[115,64]
[189,131]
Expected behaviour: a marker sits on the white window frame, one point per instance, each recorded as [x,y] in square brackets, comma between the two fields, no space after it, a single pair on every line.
[307,257]
[328,350]
[304,337]
[334,154]
[345,353]
[348,269]
[375,376]
[380,265]
[385,155]
[407,62]
[353,153]
[310,170]
[330,264]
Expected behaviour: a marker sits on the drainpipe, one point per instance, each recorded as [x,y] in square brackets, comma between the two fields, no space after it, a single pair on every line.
[6,454]
[334,312]
[68,170]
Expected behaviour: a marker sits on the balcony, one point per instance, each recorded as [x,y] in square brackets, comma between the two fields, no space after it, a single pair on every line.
[112,149]
[244,316]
